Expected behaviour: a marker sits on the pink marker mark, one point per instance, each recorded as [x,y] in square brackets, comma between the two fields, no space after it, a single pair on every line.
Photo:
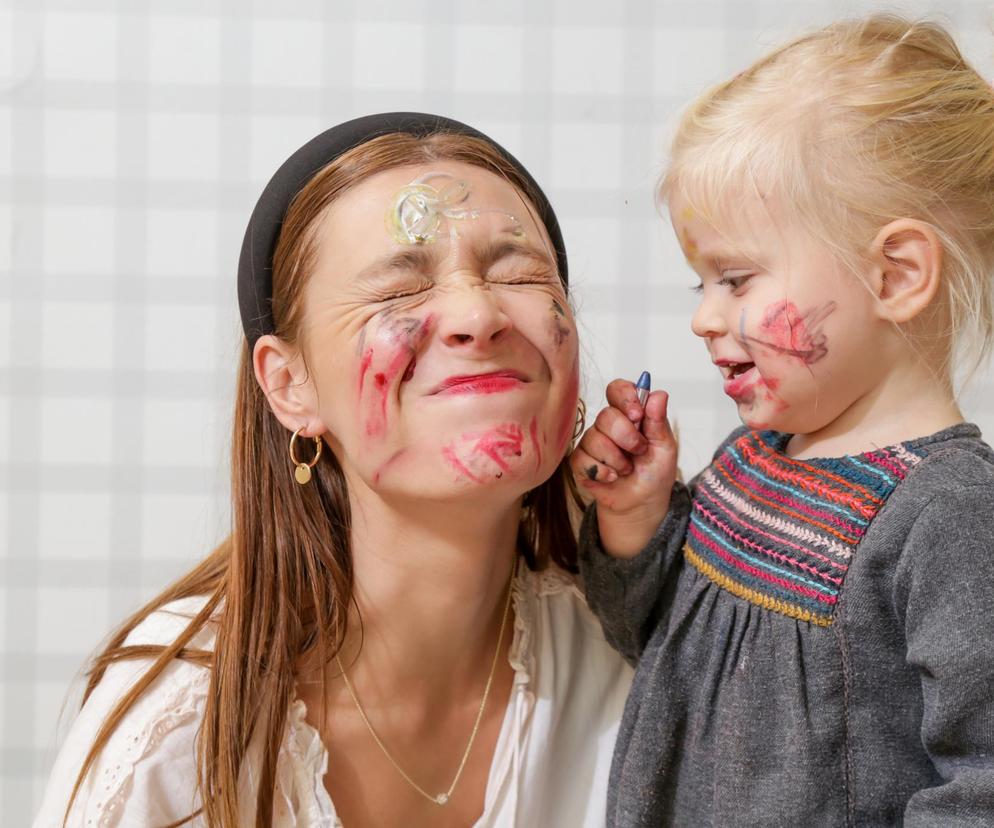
[533,433]
[450,456]
[496,447]
[379,472]
[404,337]
[503,441]
[792,333]
[367,360]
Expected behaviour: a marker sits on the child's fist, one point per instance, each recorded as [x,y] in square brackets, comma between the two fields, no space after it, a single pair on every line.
[626,462]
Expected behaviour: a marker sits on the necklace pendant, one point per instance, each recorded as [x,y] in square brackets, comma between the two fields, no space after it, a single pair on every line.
[441,799]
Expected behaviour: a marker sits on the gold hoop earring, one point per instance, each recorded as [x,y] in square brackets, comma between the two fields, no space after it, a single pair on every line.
[581,420]
[302,472]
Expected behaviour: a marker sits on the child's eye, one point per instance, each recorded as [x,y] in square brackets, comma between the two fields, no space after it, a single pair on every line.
[735,282]
[698,288]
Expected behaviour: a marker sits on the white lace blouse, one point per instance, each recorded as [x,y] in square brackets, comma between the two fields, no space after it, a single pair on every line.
[550,767]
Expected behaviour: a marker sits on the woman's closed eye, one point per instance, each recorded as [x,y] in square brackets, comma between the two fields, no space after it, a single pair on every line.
[406,290]
[528,274]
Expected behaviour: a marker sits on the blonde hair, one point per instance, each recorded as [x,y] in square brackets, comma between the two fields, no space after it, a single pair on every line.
[850,127]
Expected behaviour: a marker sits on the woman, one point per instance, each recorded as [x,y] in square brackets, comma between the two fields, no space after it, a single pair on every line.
[389,636]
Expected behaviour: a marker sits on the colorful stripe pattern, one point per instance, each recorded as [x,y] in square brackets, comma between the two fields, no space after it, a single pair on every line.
[780,532]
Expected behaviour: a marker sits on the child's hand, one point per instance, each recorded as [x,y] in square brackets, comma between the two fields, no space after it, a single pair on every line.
[629,472]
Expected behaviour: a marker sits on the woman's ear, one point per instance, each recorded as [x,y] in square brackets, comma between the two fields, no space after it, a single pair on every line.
[907,268]
[283,378]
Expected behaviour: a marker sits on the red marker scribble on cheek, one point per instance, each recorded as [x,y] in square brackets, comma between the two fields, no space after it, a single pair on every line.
[489,455]
[536,446]
[402,338]
[787,331]
[367,360]
[453,460]
[500,443]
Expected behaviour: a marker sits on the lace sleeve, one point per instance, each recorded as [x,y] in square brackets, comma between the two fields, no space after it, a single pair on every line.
[146,772]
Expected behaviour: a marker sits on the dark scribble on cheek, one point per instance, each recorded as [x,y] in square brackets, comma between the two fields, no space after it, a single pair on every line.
[560,329]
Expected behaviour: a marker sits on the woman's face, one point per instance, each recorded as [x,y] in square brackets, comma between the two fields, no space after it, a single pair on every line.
[438,337]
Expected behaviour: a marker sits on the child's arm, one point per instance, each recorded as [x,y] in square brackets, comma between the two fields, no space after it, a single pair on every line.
[635,528]
[945,589]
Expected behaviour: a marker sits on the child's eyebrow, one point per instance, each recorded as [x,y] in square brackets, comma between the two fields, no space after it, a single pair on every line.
[720,263]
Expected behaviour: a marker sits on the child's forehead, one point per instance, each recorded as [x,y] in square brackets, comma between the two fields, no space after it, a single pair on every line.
[720,231]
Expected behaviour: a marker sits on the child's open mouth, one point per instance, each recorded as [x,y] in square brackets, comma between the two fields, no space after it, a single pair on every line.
[739,377]
[730,370]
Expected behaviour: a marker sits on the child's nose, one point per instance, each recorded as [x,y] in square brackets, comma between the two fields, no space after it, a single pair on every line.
[470,317]
[709,319]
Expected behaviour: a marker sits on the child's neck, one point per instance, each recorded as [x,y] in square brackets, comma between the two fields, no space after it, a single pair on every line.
[910,402]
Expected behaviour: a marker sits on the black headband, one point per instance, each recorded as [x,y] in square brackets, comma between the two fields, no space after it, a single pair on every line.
[255,265]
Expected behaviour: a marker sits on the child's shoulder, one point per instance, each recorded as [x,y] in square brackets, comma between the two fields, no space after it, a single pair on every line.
[949,462]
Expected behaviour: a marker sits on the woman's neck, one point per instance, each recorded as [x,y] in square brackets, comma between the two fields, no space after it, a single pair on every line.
[912,400]
[429,594]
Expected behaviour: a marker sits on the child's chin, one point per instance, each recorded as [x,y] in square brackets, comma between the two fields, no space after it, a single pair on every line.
[757,420]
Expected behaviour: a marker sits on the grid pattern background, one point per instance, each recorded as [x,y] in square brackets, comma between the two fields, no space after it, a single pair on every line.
[134,139]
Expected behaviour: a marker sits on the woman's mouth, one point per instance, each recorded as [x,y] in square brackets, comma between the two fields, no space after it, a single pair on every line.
[490,383]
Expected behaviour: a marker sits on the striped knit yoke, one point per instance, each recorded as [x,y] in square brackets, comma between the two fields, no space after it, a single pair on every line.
[780,532]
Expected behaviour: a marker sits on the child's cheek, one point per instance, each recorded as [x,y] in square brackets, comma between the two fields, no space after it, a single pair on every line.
[787,331]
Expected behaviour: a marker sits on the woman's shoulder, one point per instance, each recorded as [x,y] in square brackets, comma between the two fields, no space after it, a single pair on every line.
[165,624]
[146,767]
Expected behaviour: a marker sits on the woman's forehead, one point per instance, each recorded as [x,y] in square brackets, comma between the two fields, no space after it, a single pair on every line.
[427,206]
[450,187]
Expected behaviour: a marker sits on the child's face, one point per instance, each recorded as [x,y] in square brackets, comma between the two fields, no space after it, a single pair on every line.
[792,331]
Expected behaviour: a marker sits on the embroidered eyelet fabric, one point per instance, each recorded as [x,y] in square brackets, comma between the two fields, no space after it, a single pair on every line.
[550,766]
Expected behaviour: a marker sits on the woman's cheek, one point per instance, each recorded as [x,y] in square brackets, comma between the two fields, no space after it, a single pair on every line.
[568,412]
[387,359]
[560,324]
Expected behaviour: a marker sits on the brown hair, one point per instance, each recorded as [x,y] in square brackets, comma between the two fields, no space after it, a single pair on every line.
[854,125]
[280,585]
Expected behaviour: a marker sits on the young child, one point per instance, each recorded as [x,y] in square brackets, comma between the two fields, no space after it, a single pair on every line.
[813,618]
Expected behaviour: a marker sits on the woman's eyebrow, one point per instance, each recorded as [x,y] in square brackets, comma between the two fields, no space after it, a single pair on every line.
[417,259]
[493,251]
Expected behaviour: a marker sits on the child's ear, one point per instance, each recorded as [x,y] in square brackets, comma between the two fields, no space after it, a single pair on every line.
[283,378]
[907,268]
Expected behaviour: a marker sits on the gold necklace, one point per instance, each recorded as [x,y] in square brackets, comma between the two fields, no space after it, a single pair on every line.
[442,798]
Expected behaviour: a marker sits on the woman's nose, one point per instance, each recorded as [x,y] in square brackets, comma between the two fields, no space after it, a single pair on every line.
[471,318]
[709,320]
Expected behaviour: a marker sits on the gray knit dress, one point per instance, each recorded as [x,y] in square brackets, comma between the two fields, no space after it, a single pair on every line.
[814,640]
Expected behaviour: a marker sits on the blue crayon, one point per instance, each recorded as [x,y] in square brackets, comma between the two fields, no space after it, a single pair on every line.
[642,387]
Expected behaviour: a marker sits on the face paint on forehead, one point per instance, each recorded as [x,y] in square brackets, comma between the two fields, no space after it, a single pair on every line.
[417,212]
